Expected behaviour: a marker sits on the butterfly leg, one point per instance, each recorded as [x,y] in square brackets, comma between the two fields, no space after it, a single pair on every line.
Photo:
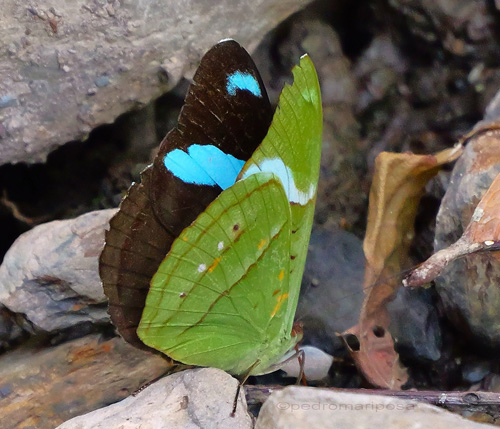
[301,357]
[240,384]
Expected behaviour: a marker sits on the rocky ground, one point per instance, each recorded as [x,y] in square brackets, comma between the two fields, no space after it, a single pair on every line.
[86,94]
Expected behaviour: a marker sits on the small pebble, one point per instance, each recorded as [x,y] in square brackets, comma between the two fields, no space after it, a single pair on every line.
[102,81]
[7,101]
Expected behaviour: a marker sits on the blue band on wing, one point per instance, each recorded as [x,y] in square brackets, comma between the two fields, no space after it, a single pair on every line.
[242,81]
[204,165]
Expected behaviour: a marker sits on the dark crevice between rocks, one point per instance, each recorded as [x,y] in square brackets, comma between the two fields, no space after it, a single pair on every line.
[60,188]
[14,329]
[80,330]
[355,24]
[11,229]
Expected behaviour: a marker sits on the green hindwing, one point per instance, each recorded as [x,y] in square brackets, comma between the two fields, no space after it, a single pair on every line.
[292,150]
[226,293]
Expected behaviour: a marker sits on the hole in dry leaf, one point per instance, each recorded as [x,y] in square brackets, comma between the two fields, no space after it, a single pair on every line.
[378,331]
[352,342]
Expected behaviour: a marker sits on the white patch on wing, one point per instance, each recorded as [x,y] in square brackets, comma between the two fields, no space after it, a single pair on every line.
[285,174]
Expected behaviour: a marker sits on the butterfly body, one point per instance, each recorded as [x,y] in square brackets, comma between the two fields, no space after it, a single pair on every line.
[226,293]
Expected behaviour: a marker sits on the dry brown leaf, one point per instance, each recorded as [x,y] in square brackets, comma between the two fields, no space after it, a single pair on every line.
[482,233]
[397,187]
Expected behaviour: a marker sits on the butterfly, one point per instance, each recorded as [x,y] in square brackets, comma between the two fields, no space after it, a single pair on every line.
[225,291]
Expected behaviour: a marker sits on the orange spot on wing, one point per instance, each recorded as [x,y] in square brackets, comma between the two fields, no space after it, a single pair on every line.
[282,274]
[184,238]
[276,291]
[214,264]
[281,299]
[261,244]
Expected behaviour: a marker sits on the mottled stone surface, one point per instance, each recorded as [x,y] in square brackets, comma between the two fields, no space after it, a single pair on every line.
[469,286]
[191,399]
[71,66]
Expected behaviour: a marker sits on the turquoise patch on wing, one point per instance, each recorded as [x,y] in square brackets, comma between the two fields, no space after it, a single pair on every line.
[204,165]
[242,81]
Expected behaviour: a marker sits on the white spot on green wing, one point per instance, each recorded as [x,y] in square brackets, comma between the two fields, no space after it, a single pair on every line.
[278,167]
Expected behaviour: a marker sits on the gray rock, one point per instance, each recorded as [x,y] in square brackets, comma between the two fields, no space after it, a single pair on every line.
[332,287]
[302,407]
[50,274]
[415,324]
[53,60]
[199,398]
[468,287]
